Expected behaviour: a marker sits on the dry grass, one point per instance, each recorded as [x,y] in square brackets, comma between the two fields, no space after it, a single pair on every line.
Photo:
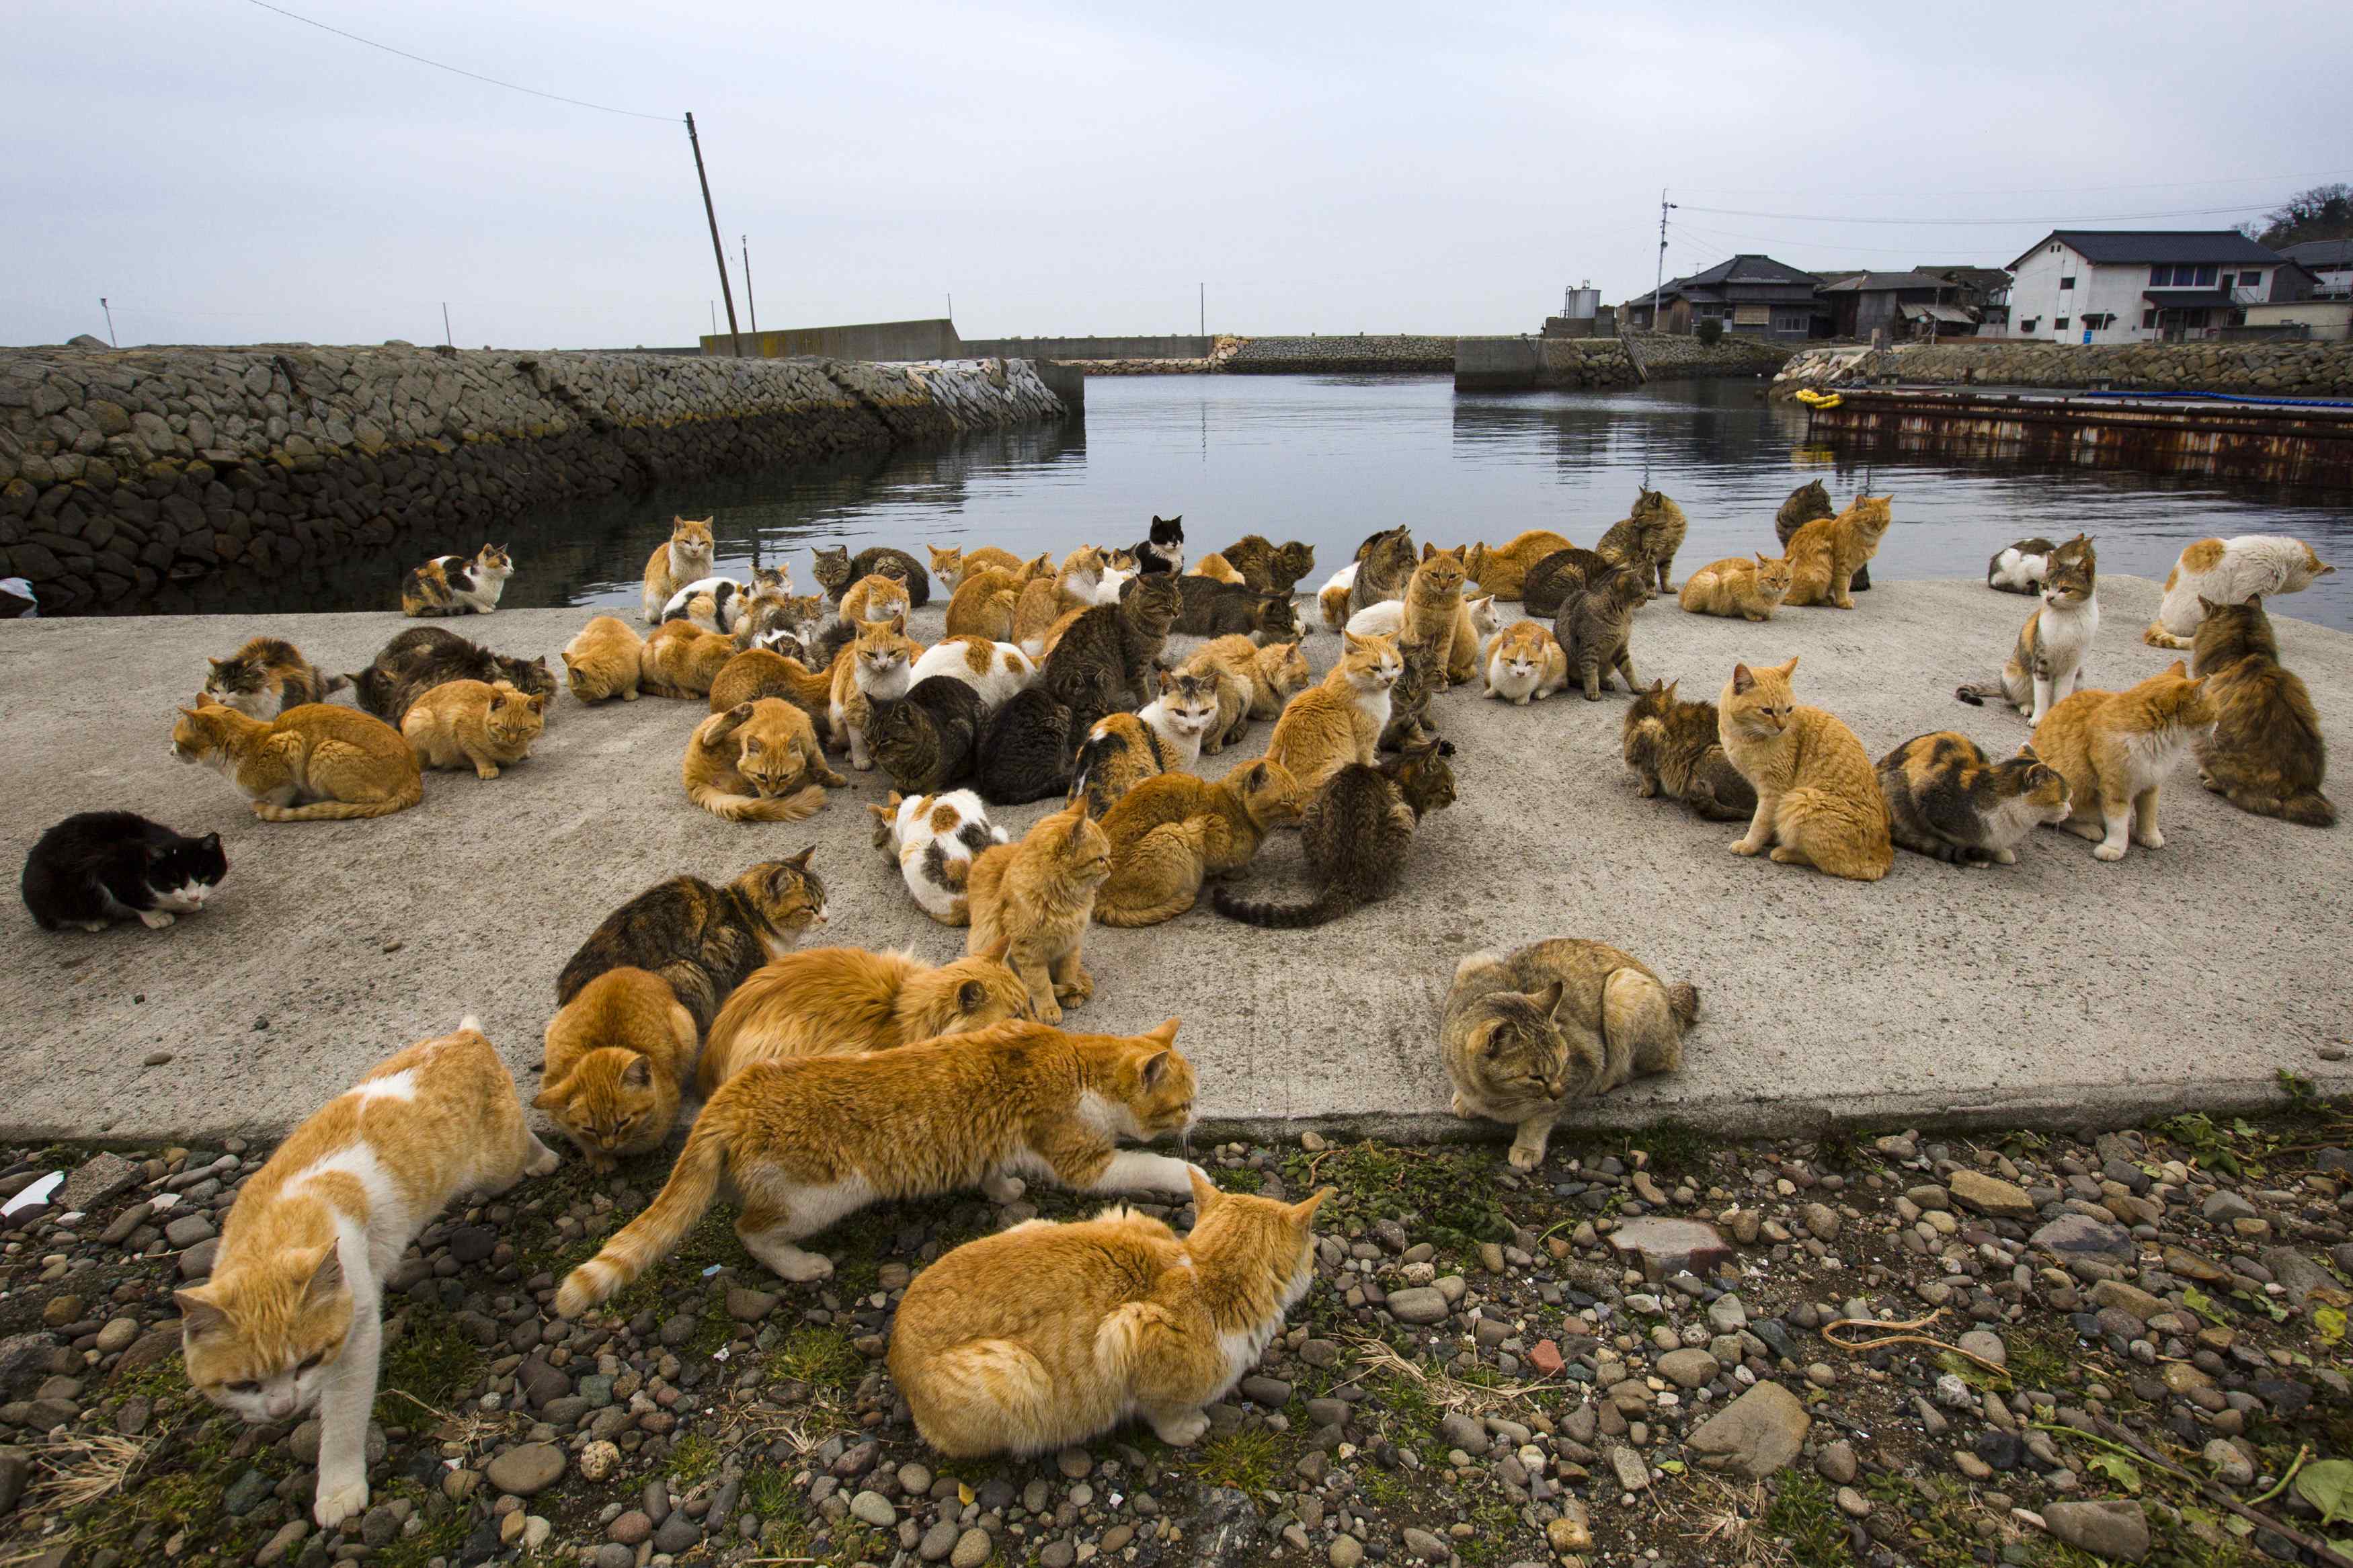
[1439,1388]
[82,1469]
[1726,1523]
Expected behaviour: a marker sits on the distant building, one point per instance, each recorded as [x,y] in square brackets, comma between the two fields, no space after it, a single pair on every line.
[2326,319]
[2330,262]
[2106,286]
[1754,296]
[1901,304]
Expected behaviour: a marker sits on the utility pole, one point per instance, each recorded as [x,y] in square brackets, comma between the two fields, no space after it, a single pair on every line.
[1658,280]
[749,303]
[110,319]
[718,251]
[445,336]
[1204,288]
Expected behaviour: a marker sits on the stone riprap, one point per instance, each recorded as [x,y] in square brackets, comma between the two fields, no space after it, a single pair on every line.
[2263,369]
[1365,351]
[122,469]
[1679,356]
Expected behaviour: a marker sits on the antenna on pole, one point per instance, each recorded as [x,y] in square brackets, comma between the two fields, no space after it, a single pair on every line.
[447,336]
[718,250]
[749,303]
[1204,288]
[1658,280]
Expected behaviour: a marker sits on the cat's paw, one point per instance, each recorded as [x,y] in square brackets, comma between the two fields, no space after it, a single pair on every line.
[1001,1188]
[153,920]
[2152,839]
[1462,1107]
[803,1267]
[1744,847]
[2005,857]
[2107,851]
[1526,1157]
[1048,1011]
[486,772]
[543,1160]
[1181,1431]
[1784,856]
[628,697]
[339,1502]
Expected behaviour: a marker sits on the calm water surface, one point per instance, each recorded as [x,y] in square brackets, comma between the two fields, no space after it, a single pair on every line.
[1330,460]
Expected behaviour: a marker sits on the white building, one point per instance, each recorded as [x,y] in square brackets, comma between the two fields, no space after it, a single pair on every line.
[2330,262]
[2106,286]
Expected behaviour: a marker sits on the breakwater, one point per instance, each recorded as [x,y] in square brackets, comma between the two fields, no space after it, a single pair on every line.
[1679,356]
[2259,369]
[1367,352]
[121,471]
[1530,363]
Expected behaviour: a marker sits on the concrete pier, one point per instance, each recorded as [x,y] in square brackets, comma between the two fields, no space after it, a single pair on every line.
[2060,991]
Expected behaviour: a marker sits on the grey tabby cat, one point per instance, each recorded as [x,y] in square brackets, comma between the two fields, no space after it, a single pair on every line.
[1526,1035]
[1596,625]
[1114,648]
[704,940]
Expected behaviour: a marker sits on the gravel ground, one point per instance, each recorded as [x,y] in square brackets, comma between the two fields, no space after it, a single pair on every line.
[1620,1359]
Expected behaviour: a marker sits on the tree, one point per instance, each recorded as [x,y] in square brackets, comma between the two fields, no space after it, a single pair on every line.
[1710,331]
[2323,212]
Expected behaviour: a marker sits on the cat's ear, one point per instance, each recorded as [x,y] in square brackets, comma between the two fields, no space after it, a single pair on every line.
[327,1279]
[1743,680]
[1788,667]
[216,663]
[2029,752]
[1165,1033]
[497,701]
[2207,605]
[2178,670]
[210,841]
[2254,601]
[1550,999]
[550,1095]
[801,862]
[639,1074]
[539,703]
[1763,559]
[1166,679]
[1671,685]
[969,995]
[1205,1195]
[899,623]
[1303,1210]
[1427,549]
[198,1314]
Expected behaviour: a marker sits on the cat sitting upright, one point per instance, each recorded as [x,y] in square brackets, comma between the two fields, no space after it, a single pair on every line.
[100,866]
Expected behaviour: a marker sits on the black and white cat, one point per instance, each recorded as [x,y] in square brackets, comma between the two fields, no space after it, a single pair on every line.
[102,866]
[1165,551]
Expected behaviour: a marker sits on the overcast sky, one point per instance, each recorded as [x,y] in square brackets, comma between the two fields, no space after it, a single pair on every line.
[224,174]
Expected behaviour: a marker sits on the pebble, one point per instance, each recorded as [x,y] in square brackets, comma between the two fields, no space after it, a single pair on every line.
[874,1508]
[599,1460]
[1421,1304]
[1345,1552]
[972,1549]
[527,1471]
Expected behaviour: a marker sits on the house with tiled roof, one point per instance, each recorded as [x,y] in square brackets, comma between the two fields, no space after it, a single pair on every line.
[2330,262]
[1754,296]
[2114,286]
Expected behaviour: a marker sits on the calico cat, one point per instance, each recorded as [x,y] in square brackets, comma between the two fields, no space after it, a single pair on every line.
[454,586]
[471,724]
[422,657]
[1251,682]
[1817,796]
[1170,834]
[1164,549]
[772,618]
[934,839]
[931,1118]
[267,676]
[681,661]
[616,1056]
[878,664]
[700,939]
[1028,749]
[2115,748]
[2267,754]
[2019,568]
[1646,539]
[1595,628]
[929,739]
[606,659]
[758,761]
[1736,585]
[1502,570]
[1432,606]
[1036,896]
[2230,572]
[1526,663]
[841,1001]
[1268,567]
[1339,720]
[1210,608]
[1115,647]
[1046,1335]
[1803,505]
[1549,582]
[1125,749]
[1045,601]
[288,1320]
[1945,799]
[877,596]
[101,866]
[1217,569]
[953,565]
[714,603]
[1355,834]
[1385,564]
[684,557]
[1826,555]
[759,672]
[996,670]
[1527,1035]
[1672,748]
[838,572]
[2048,662]
[312,763]
[1332,599]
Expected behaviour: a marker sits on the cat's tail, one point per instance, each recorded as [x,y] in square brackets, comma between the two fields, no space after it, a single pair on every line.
[802,803]
[2310,808]
[1683,1000]
[342,810]
[1978,696]
[651,1236]
[335,683]
[1326,907]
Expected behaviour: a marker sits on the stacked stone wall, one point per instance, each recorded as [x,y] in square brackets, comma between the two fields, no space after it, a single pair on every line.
[2262,369]
[1393,353]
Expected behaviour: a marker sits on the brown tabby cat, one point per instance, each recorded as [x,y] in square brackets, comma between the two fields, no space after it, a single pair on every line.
[618,1054]
[684,557]
[840,1000]
[1824,556]
[1595,629]
[1252,682]
[317,763]
[1647,538]
[2114,748]
[1032,900]
[1268,567]
[466,723]
[1802,506]
[1115,647]
[930,1118]
[267,676]
[758,761]
[1817,796]
[1736,585]
[1499,570]
[1408,724]
[1672,748]
[1385,564]
[1549,582]
[604,661]
[1357,835]
[1170,834]
[1433,604]
[2267,754]
[700,939]
[1947,799]
[1339,721]
[1526,1035]
[681,659]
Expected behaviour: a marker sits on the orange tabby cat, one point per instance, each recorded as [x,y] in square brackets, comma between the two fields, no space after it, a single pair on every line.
[758,761]
[473,724]
[1046,1335]
[604,661]
[1736,585]
[985,606]
[1499,570]
[1433,605]
[1339,721]
[874,597]
[312,763]
[290,1318]
[953,565]
[1252,682]
[681,659]
[1825,554]
[881,663]
[618,1054]
[809,1141]
[1215,567]
[684,557]
[839,1001]
[1032,900]
[1045,601]
[2114,748]
[1817,798]
[1173,831]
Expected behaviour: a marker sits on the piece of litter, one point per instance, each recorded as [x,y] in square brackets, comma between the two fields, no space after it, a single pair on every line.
[712,1269]
[719,1354]
[36,1193]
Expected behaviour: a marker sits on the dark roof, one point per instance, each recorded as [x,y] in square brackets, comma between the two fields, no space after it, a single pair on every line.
[2190,298]
[1748,267]
[2320,252]
[1877,282]
[1955,314]
[1985,277]
[2125,246]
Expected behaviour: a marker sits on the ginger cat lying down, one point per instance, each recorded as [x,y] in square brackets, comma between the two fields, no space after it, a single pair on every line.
[317,763]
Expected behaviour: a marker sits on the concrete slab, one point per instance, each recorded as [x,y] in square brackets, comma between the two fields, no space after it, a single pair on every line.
[2061,990]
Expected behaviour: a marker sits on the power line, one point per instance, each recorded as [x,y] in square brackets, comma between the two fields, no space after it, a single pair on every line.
[461,71]
[2078,190]
[1987,222]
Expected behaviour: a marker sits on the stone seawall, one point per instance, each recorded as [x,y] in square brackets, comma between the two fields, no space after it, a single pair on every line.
[1398,353]
[2262,369]
[121,470]
[1678,356]
[1530,365]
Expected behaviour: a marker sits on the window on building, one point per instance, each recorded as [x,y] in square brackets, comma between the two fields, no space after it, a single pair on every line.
[2059,324]
[2148,317]
[2161,277]
[2066,283]
[2250,280]
[2205,276]
[2029,324]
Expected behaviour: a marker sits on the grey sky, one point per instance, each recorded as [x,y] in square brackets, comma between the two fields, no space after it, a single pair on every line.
[224,174]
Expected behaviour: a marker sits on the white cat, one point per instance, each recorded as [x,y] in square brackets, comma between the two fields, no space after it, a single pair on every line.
[2230,572]
[714,603]
[1384,619]
[998,670]
[2018,569]
[1106,591]
[934,837]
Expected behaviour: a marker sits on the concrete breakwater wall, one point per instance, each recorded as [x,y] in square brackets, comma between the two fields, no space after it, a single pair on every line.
[1528,365]
[1366,353]
[2274,369]
[123,469]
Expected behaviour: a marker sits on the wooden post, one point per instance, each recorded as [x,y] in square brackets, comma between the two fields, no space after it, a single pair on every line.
[718,250]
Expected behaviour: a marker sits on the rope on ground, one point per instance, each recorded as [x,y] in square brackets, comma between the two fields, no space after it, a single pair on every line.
[1894,1334]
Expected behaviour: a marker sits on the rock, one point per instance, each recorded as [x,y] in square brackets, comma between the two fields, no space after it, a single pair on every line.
[2230,1465]
[61,1311]
[972,1550]
[1822,1220]
[188,1230]
[1853,1503]
[1668,1246]
[2193,1265]
[1986,1346]
[1075,1463]
[1225,1529]
[1345,1552]
[97,1179]
[2074,1237]
[274,1551]
[1837,1462]
[1464,1432]
[874,1508]
[1573,1531]
[527,1471]
[2118,1530]
[117,1335]
[2223,1205]
[15,1472]
[245,1494]
[1990,1196]
[2301,1279]
[1726,1315]
[748,1306]
[937,1541]
[196,1262]
[599,1461]
[1688,1368]
[1417,1304]
[676,1533]
[472,1244]
[1754,1436]
[1545,1358]
[2130,1298]
[1421,1546]
[1269,1391]
[1633,1474]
